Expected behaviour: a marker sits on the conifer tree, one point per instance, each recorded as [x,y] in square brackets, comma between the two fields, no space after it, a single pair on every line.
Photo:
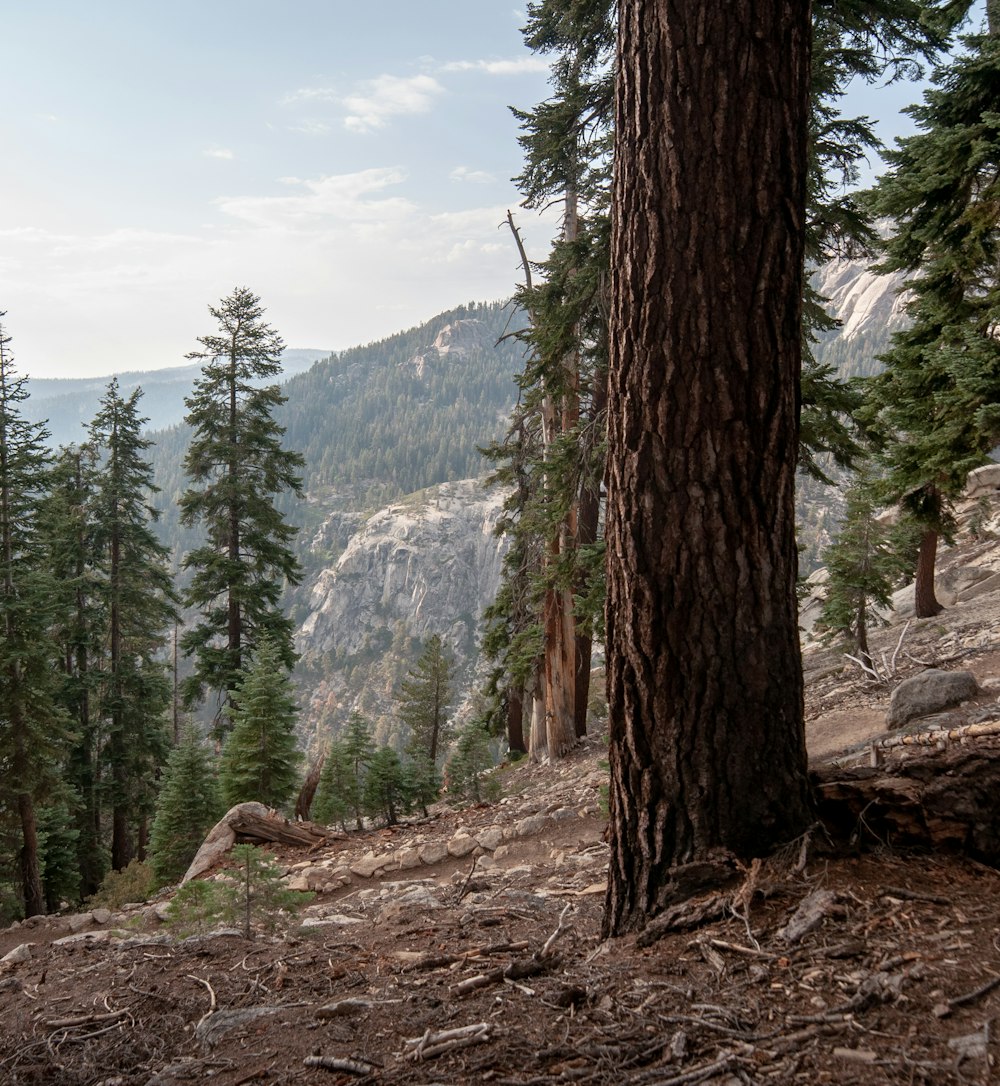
[863,564]
[553,454]
[423,703]
[468,766]
[337,791]
[358,750]
[31,724]
[937,399]
[58,838]
[140,601]
[259,760]
[237,468]
[78,631]
[385,786]
[187,807]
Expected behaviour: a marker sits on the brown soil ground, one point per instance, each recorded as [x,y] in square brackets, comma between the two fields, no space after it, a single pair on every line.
[897,981]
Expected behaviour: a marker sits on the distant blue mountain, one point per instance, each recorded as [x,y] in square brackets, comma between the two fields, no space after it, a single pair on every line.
[68,404]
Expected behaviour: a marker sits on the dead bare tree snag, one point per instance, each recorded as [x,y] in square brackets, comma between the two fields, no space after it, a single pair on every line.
[704,672]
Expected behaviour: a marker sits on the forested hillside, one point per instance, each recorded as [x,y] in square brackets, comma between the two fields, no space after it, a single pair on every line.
[383,420]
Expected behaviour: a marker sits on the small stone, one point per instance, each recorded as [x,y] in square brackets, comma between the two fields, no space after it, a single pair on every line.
[491,839]
[501,851]
[461,845]
[368,865]
[101,916]
[297,882]
[433,853]
[79,921]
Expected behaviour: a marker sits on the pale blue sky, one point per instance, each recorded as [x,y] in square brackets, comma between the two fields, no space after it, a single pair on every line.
[349,162]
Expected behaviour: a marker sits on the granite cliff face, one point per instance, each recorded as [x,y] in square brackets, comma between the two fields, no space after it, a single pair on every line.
[426,565]
[863,301]
[431,562]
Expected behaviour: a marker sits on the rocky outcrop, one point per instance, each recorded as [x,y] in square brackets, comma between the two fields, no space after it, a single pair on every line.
[432,562]
[861,299]
[456,340]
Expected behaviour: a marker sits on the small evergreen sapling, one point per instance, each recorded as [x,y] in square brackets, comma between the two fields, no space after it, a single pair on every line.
[260,760]
[188,806]
[340,794]
[864,563]
[250,894]
[385,786]
[468,768]
[336,787]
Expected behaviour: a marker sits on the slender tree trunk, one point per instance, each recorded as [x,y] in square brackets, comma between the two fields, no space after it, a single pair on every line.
[587,525]
[515,721]
[31,876]
[924,600]
[704,673]
[861,631]
[538,743]
[235,616]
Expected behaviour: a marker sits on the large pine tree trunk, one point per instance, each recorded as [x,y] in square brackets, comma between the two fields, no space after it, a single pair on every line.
[704,675]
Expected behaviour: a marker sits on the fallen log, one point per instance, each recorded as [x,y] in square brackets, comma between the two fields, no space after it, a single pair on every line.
[256,824]
[944,799]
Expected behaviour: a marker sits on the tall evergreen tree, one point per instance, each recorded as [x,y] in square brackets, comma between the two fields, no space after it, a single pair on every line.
[140,608]
[188,805]
[31,724]
[78,631]
[260,760]
[423,703]
[237,467]
[553,454]
[937,399]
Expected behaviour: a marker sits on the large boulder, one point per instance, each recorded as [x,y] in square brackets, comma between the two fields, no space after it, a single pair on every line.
[929,692]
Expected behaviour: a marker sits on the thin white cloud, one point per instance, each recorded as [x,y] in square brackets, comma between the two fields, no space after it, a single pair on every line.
[517,66]
[389,96]
[335,199]
[311,94]
[219,152]
[311,127]
[475,177]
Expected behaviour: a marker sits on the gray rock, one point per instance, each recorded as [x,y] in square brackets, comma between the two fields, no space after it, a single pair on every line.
[490,839]
[461,845]
[433,853]
[928,693]
[101,916]
[20,953]
[528,827]
[369,864]
[984,480]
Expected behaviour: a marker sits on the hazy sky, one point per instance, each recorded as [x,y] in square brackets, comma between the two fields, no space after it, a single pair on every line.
[348,162]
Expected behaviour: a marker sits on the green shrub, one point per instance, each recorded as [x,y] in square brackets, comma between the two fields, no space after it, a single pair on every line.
[132,883]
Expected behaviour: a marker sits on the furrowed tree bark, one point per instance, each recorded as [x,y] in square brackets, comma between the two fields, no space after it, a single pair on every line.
[704,675]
